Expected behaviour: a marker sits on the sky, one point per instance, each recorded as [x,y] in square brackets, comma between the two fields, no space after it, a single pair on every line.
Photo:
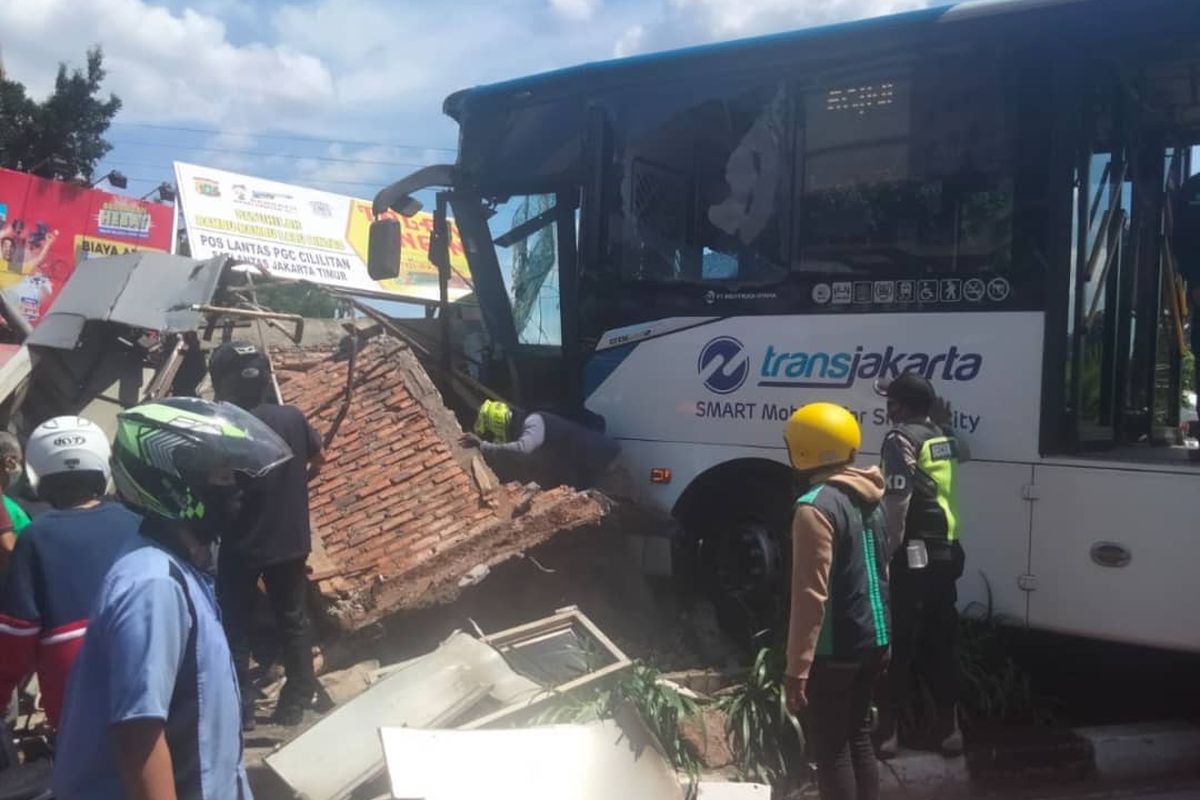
[344,95]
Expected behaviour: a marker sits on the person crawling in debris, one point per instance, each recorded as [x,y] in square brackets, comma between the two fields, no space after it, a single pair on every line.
[547,449]
[272,539]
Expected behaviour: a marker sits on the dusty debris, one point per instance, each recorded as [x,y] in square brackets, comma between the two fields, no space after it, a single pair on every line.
[401,512]
[504,678]
[705,737]
[346,684]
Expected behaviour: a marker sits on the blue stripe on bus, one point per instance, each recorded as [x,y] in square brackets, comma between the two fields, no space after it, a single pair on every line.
[602,364]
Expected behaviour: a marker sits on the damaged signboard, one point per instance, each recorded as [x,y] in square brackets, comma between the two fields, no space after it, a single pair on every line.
[466,683]
[401,512]
[148,291]
[110,332]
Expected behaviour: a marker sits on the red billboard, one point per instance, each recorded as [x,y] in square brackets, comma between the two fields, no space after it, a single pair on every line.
[47,226]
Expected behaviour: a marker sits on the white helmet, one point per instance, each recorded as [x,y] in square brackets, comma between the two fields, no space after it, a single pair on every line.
[66,444]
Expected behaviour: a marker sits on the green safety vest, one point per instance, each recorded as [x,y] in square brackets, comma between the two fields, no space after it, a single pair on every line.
[933,511]
[857,617]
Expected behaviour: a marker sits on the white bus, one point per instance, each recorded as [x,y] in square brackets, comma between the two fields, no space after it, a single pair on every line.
[691,244]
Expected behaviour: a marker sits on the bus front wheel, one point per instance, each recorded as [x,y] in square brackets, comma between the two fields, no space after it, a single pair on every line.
[737,528]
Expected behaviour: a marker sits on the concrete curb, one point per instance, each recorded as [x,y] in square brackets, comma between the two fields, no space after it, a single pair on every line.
[1108,755]
[1151,750]
[913,774]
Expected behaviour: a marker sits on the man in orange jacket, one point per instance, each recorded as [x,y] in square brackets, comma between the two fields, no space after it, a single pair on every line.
[838,625]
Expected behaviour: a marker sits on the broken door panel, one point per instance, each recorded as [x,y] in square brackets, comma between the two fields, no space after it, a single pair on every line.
[465,683]
[598,761]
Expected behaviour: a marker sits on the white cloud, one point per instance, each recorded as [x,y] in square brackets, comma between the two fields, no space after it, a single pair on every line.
[358,168]
[366,70]
[575,10]
[687,22]
[630,41]
[165,66]
[394,63]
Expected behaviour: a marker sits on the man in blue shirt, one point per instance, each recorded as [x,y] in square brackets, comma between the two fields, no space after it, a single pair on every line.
[152,709]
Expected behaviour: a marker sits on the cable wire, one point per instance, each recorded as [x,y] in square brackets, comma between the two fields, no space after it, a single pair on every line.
[283,137]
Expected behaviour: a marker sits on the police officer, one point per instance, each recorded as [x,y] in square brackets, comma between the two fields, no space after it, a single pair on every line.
[838,623]
[920,464]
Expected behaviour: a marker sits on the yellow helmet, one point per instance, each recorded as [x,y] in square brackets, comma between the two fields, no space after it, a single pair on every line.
[492,421]
[821,435]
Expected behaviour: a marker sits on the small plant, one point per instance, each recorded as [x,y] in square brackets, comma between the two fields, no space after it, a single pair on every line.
[660,706]
[993,687]
[766,739]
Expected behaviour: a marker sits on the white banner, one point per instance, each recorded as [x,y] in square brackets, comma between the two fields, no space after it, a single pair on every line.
[736,381]
[305,234]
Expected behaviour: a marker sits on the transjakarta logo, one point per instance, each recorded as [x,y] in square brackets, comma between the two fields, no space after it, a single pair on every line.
[841,370]
[724,364]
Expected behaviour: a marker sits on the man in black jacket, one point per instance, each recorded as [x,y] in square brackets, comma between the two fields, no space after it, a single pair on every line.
[273,537]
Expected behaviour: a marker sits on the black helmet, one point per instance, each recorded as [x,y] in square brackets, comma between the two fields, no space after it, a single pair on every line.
[167,453]
[910,389]
[239,372]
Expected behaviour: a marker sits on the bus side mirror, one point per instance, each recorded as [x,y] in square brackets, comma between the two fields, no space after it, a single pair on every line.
[383,250]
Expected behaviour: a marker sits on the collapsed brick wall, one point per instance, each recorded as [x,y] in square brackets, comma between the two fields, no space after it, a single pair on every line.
[401,513]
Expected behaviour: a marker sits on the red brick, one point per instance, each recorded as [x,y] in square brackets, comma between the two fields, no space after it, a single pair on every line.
[392,498]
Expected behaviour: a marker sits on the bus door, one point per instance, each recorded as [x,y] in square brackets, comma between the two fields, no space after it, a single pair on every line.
[1108,524]
[1125,320]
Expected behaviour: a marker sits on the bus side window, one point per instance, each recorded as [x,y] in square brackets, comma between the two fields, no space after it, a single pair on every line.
[907,169]
[704,186]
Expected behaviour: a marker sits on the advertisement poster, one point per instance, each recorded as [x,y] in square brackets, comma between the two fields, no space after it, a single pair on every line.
[306,234]
[46,226]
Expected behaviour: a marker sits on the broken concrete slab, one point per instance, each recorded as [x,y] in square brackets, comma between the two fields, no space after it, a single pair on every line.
[401,512]
[346,684]
[467,682]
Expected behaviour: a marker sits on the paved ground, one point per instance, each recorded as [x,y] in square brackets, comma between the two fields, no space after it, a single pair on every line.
[1157,791]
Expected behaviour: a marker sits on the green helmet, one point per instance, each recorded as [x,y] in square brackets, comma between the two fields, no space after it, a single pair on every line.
[168,454]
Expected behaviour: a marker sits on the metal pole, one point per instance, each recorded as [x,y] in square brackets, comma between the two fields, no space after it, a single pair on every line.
[439,254]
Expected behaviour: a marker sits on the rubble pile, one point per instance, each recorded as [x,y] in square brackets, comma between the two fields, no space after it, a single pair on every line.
[402,515]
